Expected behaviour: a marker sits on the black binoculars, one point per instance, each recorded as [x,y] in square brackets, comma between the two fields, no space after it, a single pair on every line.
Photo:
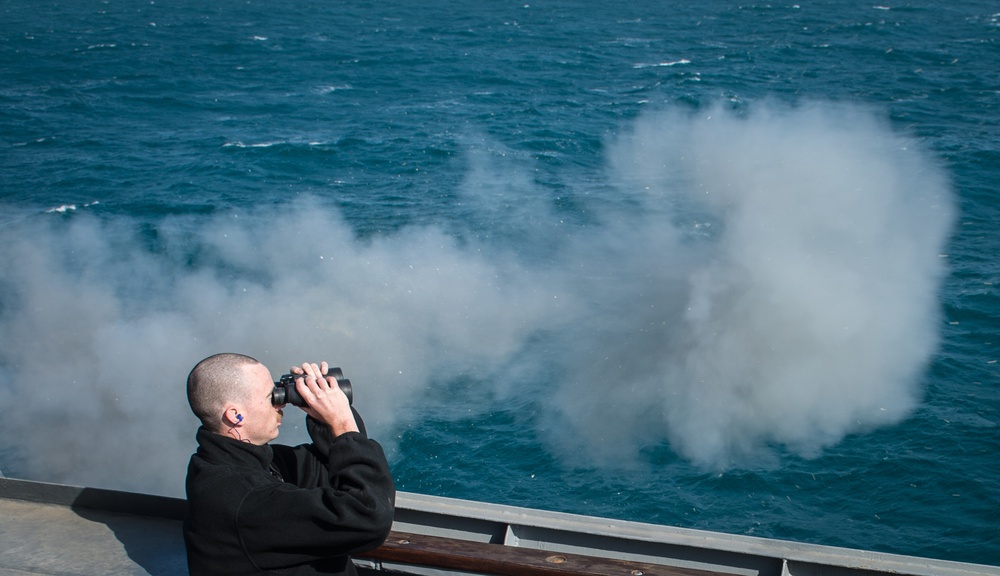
[286,393]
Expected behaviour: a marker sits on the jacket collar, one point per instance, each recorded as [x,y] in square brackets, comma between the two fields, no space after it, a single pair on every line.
[217,448]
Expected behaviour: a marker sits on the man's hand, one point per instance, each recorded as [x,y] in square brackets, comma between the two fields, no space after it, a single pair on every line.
[324,399]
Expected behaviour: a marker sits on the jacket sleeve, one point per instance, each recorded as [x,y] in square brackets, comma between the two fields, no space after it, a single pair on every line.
[338,498]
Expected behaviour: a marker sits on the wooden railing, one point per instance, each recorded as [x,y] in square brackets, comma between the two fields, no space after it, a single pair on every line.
[501,560]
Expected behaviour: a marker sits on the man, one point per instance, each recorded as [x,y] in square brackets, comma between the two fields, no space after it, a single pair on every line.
[258,508]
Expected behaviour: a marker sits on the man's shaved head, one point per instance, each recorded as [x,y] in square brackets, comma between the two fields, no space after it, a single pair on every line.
[217,381]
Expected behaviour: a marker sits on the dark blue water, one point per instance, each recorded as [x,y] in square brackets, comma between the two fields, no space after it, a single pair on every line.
[711,265]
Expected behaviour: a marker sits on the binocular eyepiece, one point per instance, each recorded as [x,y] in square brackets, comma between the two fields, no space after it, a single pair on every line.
[286,393]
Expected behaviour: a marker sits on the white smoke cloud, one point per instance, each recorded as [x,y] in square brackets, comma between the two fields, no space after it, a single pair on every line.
[101,325]
[769,280]
[796,303]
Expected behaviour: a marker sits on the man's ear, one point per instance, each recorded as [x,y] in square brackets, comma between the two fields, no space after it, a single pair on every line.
[232,417]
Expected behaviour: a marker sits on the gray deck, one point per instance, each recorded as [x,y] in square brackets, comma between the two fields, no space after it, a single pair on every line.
[52,529]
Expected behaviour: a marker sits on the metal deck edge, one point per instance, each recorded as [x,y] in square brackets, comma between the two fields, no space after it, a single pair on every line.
[785,551]
[94,498]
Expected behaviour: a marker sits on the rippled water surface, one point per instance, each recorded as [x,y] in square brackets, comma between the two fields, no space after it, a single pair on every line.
[711,265]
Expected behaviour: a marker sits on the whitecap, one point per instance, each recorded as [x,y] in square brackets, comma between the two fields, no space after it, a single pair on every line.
[240,144]
[663,64]
[62,209]
[70,207]
[329,89]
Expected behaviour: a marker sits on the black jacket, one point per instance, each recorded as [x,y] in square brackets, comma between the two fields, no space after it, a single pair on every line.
[276,509]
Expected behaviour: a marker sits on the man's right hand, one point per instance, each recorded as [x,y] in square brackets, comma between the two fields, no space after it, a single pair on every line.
[325,401]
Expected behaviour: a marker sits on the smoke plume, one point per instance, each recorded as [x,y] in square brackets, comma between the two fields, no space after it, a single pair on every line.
[766,279]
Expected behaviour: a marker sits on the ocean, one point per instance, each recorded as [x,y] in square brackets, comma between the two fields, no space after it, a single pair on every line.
[718,265]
